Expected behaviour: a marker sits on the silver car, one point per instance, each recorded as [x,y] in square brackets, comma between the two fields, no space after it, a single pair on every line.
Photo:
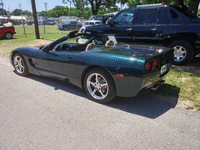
[89,23]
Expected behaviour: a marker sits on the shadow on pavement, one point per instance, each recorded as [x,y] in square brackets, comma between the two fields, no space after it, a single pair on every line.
[148,104]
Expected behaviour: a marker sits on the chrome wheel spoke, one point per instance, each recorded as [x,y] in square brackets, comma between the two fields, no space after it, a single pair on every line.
[92,83]
[103,95]
[105,84]
[93,93]
[178,58]
[96,78]
[16,65]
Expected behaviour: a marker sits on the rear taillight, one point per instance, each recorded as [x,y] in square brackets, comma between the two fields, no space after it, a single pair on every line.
[148,66]
[119,76]
[155,62]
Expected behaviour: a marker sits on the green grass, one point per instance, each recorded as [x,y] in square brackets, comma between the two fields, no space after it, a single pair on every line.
[30,29]
[19,40]
[183,84]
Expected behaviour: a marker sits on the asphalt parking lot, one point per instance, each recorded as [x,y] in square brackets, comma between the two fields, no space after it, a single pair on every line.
[38,113]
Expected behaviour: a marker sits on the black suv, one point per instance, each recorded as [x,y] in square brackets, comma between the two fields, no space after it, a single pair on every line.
[70,25]
[157,24]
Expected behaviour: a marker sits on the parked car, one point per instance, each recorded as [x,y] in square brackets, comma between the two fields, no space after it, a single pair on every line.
[96,17]
[89,23]
[70,25]
[7,32]
[100,17]
[97,63]
[170,26]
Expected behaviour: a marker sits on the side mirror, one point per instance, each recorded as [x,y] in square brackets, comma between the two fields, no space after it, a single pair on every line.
[111,23]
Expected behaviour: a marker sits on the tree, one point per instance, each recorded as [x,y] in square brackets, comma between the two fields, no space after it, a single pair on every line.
[55,12]
[191,5]
[95,4]
[27,13]
[43,13]
[3,12]
[59,11]
[198,14]
[17,12]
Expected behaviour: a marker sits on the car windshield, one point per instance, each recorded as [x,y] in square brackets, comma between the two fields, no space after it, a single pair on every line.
[98,40]
[125,17]
[79,39]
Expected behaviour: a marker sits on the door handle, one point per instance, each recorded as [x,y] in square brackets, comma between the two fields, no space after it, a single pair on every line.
[129,29]
[153,29]
[69,57]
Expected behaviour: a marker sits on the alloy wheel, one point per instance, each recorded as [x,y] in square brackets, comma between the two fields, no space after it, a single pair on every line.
[97,86]
[19,64]
[179,53]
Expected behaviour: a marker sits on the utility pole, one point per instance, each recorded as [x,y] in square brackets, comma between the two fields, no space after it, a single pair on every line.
[70,4]
[35,19]
[45,5]
[20,8]
[9,14]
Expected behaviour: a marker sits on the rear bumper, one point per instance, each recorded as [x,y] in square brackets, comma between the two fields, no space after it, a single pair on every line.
[154,86]
[130,86]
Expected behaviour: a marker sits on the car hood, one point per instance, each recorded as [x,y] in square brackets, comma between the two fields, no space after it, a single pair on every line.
[99,28]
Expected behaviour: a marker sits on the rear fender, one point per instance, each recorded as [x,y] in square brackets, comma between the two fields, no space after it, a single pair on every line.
[188,37]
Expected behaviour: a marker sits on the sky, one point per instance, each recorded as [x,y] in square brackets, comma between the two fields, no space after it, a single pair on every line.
[26,4]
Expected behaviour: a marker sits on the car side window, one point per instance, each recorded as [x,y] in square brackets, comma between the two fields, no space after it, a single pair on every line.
[174,15]
[124,18]
[91,23]
[149,16]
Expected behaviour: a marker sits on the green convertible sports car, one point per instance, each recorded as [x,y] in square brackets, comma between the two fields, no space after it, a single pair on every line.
[97,63]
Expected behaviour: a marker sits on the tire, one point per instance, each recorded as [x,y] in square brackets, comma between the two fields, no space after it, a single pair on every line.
[101,91]
[8,35]
[20,65]
[183,52]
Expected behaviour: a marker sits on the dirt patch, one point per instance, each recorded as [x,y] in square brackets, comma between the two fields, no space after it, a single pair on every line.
[183,79]
[39,42]
[187,104]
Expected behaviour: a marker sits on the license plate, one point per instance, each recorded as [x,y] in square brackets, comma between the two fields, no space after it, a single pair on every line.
[163,69]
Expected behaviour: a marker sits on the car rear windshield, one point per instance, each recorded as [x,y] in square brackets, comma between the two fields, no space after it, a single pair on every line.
[187,13]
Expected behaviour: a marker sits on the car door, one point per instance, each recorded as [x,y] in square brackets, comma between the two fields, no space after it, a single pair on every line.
[147,25]
[73,25]
[122,24]
[61,64]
